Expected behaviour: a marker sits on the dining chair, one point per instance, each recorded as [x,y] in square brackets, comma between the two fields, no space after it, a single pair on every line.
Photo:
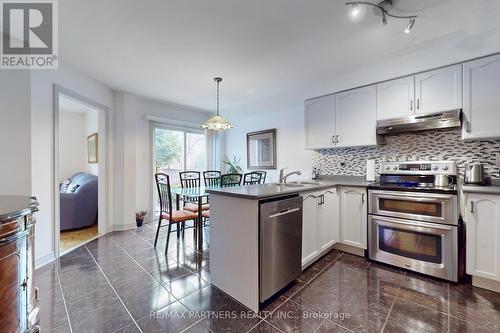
[230,179]
[252,178]
[211,178]
[166,212]
[264,174]
[191,179]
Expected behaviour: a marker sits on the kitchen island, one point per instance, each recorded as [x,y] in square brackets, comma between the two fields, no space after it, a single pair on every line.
[235,258]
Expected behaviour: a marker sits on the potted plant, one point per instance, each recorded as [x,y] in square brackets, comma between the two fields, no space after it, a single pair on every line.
[139,217]
[232,166]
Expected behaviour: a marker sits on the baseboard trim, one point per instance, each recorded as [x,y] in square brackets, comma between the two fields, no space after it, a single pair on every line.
[123,227]
[47,259]
[349,249]
[484,283]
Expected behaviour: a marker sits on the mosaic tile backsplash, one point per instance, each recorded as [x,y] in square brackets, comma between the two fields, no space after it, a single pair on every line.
[426,145]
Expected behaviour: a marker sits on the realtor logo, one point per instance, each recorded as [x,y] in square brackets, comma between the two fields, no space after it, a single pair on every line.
[29,34]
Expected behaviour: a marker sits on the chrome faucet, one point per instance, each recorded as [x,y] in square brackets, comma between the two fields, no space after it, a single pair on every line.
[283,177]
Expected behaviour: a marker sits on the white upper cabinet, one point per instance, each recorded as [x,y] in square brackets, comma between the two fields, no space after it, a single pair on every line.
[439,90]
[356,117]
[482,98]
[395,98]
[483,235]
[320,122]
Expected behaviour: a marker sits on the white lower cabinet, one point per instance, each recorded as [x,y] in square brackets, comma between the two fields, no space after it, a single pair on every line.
[482,221]
[353,216]
[331,216]
[320,225]
[310,248]
[328,219]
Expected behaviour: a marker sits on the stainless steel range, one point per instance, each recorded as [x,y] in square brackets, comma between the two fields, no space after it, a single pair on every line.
[412,222]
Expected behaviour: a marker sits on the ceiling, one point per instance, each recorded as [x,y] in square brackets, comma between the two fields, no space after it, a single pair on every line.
[171,49]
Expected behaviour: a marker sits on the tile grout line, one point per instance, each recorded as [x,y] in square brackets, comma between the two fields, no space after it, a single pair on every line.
[63,299]
[114,290]
[161,284]
[392,305]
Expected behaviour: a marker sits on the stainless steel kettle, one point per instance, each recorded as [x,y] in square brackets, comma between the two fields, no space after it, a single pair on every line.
[474,174]
[442,180]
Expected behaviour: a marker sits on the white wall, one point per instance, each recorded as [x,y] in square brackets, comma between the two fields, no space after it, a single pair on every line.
[91,127]
[133,150]
[72,143]
[42,154]
[15,159]
[285,111]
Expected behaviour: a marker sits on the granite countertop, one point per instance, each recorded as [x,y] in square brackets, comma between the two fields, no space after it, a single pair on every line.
[14,206]
[263,191]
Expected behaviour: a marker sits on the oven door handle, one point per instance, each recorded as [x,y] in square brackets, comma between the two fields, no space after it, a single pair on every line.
[407,197]
[412,195]
[414,225]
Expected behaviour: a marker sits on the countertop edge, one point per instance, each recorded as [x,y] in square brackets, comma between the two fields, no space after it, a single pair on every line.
[325,184]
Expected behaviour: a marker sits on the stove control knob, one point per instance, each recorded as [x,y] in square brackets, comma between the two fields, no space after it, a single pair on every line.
[435,168]
[387,168]
[395,168]
[445,168]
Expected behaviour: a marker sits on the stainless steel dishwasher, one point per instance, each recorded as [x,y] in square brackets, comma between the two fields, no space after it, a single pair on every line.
[280,244]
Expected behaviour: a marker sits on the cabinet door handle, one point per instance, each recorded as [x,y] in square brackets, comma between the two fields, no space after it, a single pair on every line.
[418,103]
[337,138]
[472,207]
[467,126]
[411,105]
[363,198]
[333,139]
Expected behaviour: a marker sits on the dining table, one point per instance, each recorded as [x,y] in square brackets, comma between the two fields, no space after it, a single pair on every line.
[194,194]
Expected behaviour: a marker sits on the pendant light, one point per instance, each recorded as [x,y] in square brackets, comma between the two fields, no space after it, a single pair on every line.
[217,122]
[384,6]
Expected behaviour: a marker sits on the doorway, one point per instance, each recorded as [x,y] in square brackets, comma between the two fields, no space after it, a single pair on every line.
[79,165]
[175,150]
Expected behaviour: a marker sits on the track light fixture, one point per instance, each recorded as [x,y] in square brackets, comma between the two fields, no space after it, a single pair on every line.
[384,7]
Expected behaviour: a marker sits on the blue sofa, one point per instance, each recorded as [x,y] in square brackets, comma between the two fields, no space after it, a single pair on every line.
[78,205]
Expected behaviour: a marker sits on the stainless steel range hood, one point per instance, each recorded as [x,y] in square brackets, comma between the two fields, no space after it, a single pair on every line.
[420,122]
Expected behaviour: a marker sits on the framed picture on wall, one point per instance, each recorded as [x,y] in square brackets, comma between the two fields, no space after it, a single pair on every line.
[92,148]
[261,150]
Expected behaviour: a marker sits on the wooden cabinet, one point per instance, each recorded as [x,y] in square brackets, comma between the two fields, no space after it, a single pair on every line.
[320,224]
[353,216]
[439,90]
[356,117]
[319,118]
[395,98]
[482,98]
[19,297]
[483,235]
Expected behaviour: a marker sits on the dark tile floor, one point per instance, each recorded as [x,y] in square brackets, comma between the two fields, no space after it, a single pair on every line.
[120,283]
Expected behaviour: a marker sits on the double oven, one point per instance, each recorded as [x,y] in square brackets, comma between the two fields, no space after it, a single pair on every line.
[413,224]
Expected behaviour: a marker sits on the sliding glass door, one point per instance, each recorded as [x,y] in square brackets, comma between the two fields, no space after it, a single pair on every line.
[176,150]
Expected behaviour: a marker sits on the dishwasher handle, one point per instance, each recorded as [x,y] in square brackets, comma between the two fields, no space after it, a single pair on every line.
[284,212]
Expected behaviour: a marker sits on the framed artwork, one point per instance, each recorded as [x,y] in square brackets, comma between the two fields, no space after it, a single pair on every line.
[261,150]
[92,148]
